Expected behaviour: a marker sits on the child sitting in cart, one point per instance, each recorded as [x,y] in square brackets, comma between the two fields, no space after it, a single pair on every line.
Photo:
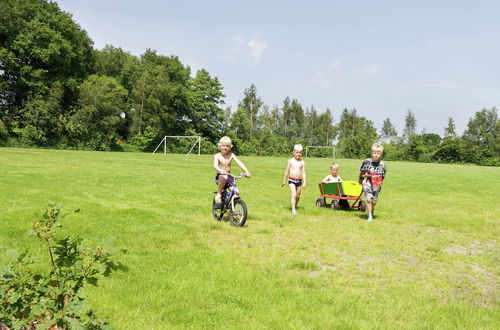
[334,174]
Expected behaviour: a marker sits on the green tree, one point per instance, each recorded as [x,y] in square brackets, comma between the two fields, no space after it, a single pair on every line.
[270,119]
[355,134]
[40,46]
[410,126]
[388,131]
[159,97]
[325,130]
[293,119]
[310,125]
[421,148]
[110,61]
[482,138]
[251,103]
[449,151]
[205,100]
[44,119]
[97,120]
[240,124]
[449,131]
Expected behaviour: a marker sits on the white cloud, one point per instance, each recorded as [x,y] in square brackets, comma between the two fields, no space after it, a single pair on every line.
[251,51]
[372,69]
[325,77]
[443,85]
[257,49]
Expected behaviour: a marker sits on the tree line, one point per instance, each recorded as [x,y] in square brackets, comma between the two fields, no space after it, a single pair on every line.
[57,91]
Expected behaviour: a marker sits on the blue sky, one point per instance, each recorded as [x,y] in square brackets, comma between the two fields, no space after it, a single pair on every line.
[438,59]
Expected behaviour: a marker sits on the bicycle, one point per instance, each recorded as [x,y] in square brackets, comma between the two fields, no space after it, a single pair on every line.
[231,201]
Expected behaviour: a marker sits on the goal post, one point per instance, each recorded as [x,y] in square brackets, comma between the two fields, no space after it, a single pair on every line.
[164,142]
[334,150]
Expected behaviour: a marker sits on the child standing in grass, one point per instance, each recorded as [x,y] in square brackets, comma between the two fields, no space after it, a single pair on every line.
[295,172]
[372,173]
[222,164]
[334,174]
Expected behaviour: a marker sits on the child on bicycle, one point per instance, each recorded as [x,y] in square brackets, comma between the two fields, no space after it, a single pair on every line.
[222,164]
[334,174]
[371,174]
[295,172]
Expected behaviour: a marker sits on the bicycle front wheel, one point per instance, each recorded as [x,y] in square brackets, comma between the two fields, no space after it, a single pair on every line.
[217,210]
[238,216]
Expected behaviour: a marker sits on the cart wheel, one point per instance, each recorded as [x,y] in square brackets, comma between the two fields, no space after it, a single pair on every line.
[320,202]
[344,204]
[335,204]
[362,206]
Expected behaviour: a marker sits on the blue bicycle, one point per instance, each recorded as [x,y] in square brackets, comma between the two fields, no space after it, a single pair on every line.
[231,201]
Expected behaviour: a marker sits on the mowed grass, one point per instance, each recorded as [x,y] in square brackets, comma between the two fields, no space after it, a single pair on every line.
[429,260]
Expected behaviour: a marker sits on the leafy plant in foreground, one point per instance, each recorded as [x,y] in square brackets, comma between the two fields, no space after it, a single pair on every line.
[35,299]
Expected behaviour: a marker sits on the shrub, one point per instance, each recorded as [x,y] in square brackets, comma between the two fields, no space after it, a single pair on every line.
[33,299]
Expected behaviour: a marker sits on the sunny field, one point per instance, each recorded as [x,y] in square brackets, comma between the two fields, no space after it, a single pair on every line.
[429,260]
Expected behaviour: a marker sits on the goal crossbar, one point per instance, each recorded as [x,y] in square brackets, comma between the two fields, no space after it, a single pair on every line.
[164,142]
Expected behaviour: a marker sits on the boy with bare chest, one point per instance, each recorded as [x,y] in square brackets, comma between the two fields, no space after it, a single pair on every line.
[222,164]
[295,171]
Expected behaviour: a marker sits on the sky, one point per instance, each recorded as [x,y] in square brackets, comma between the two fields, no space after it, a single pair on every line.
[438,59]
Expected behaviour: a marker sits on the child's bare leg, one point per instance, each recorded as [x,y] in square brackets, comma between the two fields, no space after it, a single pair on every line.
[293,197]
[297,197]
[220,187]
[369,206]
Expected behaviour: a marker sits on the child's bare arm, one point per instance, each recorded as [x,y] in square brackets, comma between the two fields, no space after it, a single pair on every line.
[304,179]
[287,170]
[242,166]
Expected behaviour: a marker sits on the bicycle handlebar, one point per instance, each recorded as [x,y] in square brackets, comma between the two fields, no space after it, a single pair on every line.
[237,176]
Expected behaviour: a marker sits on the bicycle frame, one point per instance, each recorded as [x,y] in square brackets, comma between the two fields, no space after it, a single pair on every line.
[231,203]
[232,194]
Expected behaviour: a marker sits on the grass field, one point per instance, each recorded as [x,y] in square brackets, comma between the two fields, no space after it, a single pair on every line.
[429,260]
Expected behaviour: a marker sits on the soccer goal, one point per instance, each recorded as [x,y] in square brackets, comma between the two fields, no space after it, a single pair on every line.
[166,137]
[309,152]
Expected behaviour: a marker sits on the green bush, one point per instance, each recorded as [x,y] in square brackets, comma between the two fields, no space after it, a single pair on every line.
[32,299]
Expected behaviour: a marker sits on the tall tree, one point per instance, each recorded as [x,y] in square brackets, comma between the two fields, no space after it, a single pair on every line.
[388,131]
[325,131]
[40,45]
[310,125]
[205,100]
[97,120]
[159,98]
[240,124]
[482,138]
[355,134]
[449,131]
[293,119]
[410,126]
[251,103]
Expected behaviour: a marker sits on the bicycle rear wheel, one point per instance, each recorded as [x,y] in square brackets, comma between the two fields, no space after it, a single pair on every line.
[238,217]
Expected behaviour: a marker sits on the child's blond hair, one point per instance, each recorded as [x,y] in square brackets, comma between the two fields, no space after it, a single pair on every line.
[225,140]
[334,165]
[297,147]
[377,147]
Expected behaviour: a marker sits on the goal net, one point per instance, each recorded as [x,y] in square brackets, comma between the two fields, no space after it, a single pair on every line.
[321,151]
[179,144]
